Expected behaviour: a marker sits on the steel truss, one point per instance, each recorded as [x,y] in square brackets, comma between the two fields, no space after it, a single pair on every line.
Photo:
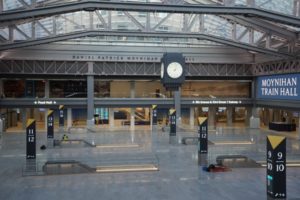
[278,67]
[236,31]
[48,8]
[111,69]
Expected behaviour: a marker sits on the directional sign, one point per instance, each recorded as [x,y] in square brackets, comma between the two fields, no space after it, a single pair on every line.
[202,135]
[61,115]
[30,139]
[50,124]
[276,167]
[154,114]
[172,114]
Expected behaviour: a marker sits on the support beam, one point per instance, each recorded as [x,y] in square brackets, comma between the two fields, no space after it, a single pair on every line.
[229,112]
[134,20]
[47,95]
[212,117]
[192,117]
[69,118]
[102,20]
[90,96]
[146,7]
[145,34]
[132,118]
[177,103]
[296,9]
[111,118]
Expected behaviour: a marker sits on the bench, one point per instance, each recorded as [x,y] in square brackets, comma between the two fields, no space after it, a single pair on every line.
[184,139]
[220,159]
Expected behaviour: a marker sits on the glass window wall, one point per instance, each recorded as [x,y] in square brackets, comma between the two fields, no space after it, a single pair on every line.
[68,89]
[24,88]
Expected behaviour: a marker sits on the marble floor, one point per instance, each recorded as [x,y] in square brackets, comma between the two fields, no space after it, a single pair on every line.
[179,176]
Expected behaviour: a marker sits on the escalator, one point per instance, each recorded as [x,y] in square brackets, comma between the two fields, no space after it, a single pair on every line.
[139,118]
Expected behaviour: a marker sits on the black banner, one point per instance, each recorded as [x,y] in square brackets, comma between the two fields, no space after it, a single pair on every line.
[61,115]
[50,124]
[276,167]
[172,113]
[202,135]
[30,139]
[154,114]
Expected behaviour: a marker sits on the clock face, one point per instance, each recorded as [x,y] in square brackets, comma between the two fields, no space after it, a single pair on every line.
[174,70]
[162,70]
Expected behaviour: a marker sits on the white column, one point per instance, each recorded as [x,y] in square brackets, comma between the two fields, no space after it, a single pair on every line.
[90,96]
[47,94]
[248,114]
[132,120]
[229,111]
[192,117]
[255,120]
[212,117]
[111,118]
[69,117]
[45,119]
[132,110]
[177,103]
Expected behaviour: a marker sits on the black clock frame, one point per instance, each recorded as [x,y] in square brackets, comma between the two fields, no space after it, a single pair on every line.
[168,82]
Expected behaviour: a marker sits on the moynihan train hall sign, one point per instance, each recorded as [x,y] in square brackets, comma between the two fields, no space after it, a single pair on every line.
[284,87]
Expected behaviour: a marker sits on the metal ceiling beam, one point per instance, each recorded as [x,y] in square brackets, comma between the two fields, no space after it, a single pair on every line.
[262,25]
[81,34]
[93,5]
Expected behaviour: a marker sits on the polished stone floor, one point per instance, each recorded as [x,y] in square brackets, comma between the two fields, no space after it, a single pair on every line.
[179,176]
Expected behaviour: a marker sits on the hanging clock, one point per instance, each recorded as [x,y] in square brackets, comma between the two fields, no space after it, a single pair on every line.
[172,70]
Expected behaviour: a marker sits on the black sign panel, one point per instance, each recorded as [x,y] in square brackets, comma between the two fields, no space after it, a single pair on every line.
[154,114]
[50,124]
[202,135]
[276,167]
[30,139]
[172,114]
[61,115]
